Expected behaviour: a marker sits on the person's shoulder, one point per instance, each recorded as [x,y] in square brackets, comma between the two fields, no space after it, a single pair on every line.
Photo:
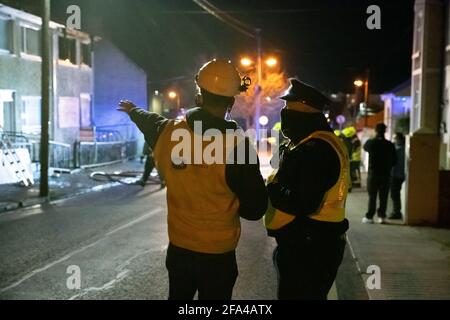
[315,148]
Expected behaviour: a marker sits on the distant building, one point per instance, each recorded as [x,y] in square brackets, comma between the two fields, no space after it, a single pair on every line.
[116,78]
[88,81]
[20,78]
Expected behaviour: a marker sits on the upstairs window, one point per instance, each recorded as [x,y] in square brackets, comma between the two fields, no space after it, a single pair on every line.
[68,50]
[31,41]
[86,57]
[5,35]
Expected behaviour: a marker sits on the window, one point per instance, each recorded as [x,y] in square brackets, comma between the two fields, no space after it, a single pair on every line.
[5,34]
[86,54]
[418,31]
[7,118]
[68,49]
[31,41]
[68,112]
[31,115]
[85,110]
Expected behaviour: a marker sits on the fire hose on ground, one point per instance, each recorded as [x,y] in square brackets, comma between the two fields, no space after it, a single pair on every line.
[123,177]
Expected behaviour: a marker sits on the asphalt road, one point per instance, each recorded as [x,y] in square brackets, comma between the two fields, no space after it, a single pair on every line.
[115,240]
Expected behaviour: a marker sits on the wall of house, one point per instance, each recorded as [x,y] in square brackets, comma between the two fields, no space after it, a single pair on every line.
[72,83]
[445,116]
[116,78]
[22,75]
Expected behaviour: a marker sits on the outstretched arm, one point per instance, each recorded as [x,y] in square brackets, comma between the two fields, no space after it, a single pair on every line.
[149,123]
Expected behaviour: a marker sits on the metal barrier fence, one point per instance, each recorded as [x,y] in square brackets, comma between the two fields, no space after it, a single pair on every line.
[60,154]
[90,154]
[81,154]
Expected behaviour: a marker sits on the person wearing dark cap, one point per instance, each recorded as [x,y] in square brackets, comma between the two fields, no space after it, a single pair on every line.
[382,157]
[307,194]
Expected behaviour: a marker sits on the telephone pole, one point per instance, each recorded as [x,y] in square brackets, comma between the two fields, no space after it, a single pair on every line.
[366,98]
[45,102]
[258,84]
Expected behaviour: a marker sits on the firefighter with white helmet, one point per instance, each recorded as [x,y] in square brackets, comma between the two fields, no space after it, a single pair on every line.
[205,201]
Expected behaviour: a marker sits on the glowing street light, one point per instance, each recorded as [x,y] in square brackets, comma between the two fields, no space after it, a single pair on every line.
[246,62]
[271,62]
[263,121]
[173,95]
[359,83]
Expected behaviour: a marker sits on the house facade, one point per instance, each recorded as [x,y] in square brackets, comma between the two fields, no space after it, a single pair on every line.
[428,148]
[20,77]
[89,76]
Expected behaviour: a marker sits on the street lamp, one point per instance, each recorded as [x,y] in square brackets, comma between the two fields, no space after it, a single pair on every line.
[246,62]
[269,62]
[263,120]
[360,83]
[173,95]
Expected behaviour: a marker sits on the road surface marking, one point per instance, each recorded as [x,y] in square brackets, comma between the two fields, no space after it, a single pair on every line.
[122,274]
[68,256]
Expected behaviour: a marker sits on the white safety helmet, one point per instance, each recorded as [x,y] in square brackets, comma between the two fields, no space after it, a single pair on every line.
[220,77]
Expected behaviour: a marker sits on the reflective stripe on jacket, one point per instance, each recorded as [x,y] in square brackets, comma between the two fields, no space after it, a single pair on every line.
[332,208]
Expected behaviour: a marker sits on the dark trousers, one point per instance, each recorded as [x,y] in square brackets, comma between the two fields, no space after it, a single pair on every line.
[148,168]
[377,185]
[307,268]
[396,187]
[355,171]
[212,275]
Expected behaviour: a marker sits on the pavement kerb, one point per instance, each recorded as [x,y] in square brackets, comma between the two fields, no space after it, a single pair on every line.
[39,201]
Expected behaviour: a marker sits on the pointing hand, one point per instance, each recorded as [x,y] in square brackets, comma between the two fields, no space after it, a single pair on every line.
[126,106]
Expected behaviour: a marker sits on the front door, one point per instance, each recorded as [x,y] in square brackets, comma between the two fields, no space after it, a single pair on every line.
[7,119]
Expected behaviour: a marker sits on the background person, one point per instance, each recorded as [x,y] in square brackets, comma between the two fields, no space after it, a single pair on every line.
[398,176]
[382,157]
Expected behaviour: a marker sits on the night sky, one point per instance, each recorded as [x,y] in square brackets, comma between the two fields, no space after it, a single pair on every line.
[323,42]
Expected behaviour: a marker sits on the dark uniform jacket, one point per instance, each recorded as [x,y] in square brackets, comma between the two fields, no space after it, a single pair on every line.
[305,175]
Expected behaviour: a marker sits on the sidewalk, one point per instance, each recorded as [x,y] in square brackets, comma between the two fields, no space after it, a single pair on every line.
[13,196]
[414,261]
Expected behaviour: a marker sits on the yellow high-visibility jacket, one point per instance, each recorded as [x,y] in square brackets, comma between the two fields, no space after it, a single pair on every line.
[332,208]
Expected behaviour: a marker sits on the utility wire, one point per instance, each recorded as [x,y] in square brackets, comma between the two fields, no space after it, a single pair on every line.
[227,19]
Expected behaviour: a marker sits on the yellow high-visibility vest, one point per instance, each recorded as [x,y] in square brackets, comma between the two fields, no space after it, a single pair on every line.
[332,208]
[202,210]
[356,154]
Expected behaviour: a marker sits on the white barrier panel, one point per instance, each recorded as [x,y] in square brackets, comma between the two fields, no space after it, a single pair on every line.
[7,171]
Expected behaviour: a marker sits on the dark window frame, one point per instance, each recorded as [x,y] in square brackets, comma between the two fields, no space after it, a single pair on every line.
[10,31]
[24,34]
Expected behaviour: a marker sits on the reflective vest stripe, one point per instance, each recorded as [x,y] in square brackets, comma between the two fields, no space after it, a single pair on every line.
[332,208]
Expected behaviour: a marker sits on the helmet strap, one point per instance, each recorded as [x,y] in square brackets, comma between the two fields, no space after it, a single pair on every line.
[199,100]
[228,114]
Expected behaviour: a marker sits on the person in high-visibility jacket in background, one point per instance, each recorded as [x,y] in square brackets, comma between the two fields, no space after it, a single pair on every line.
[351,136]
[205,200]
[307,195]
